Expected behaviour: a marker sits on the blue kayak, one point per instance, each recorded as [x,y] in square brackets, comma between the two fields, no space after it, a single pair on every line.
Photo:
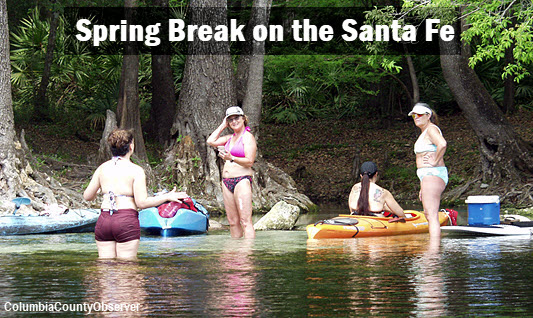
[185,222]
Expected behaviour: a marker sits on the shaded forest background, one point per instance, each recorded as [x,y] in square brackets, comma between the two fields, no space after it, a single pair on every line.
[318,155]
[321,115]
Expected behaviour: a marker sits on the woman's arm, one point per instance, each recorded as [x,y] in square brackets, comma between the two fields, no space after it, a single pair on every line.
[92,189]
[143,201]
[392,206]
[438,140]
[250,152]
[214,139]
[354,197]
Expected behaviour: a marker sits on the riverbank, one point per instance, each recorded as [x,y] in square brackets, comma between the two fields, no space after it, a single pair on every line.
[318,154]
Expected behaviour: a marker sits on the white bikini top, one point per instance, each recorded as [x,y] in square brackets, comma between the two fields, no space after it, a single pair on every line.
[422,146]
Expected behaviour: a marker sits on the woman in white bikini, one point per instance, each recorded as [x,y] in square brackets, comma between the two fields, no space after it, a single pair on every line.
[433,174]
[239,151]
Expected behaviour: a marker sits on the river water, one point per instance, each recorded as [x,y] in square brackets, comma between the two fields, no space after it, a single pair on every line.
[279,274]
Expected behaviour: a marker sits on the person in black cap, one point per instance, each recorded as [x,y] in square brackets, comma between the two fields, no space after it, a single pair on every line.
[367,198]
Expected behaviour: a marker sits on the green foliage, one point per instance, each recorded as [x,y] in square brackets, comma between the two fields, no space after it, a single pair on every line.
[495,26]
[454,180]
[303,87]
[402,177]
[400,174]
[196,161]
[524,92]
[177,3]
[323,3]
[382,16]
[82,86]
[77,88]
[27,56]
[433,87]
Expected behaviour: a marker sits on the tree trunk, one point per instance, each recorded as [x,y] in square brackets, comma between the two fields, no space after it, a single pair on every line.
[466,49]
[414,80]
[128,113]
[208,88]
[17,178]
[41,105]
[104,152]
[163,96]
[251,67]
[10,183]
[504,155]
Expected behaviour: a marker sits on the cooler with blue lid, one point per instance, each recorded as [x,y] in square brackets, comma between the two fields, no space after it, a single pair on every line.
[483,210]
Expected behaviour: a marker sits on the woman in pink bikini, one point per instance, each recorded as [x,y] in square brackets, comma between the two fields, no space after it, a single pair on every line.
[239,153]
[123,184]
[433,174]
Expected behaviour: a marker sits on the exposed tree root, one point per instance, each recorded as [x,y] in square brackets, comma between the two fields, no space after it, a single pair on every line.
[43,189]
[510,193]
[519,196]
[460,191]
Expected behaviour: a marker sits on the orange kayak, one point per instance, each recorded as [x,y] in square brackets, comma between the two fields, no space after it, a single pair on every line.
[348,226]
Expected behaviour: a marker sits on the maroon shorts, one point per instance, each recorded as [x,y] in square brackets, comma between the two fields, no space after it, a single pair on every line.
[122,226]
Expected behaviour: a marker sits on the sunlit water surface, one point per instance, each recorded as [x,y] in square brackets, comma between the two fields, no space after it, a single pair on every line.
[279,274]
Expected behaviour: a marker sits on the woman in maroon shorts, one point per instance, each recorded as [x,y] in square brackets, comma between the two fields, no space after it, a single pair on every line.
[123,184]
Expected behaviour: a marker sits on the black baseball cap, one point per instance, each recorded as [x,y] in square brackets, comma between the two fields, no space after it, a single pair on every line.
[369,168]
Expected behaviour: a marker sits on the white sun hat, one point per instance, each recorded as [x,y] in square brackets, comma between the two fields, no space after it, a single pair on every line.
[234,110]
[420,108]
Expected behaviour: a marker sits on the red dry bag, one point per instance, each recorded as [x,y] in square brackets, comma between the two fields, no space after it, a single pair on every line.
[169,209]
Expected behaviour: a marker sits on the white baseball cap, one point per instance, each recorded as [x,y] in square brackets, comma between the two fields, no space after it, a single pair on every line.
[420,108]
[234,110]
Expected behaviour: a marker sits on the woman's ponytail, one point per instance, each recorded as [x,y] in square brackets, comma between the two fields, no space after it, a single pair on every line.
[368,171]
[363,207]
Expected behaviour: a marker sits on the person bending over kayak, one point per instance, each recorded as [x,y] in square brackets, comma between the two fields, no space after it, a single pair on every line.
[367,198]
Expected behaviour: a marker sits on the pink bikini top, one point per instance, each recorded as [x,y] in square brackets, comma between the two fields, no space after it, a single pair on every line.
[238,147]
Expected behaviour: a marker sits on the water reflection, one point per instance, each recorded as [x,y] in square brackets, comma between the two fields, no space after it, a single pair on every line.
[6,286]
[396,272]
[280,274]
[431,296]
[235,291]
[116,283]
[485,274]
[488,275]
